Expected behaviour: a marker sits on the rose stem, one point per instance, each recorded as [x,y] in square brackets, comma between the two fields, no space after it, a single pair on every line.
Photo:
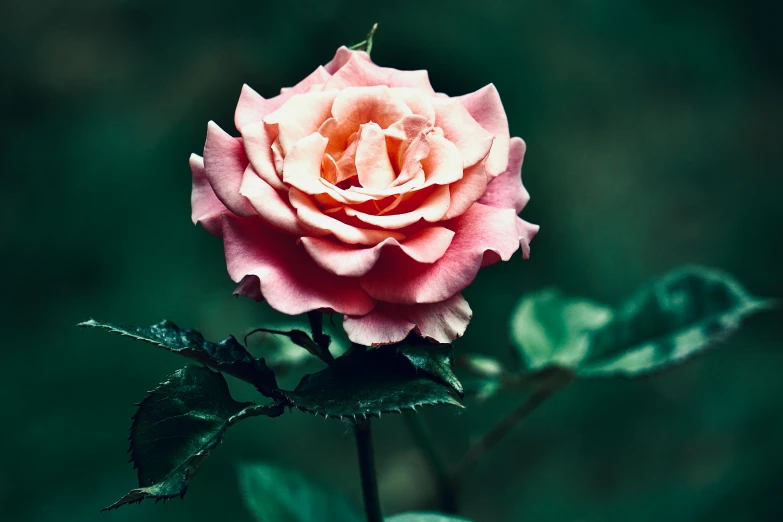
[372,504]
[317,326]
[446,498]
[504,427]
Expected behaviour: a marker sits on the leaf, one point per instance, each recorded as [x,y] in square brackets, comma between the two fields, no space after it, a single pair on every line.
[433,359]
[301,339]
[669,321]
[228,355]
[276,495]
[486,375]
[365,382]
[177,426]
[425,517]
[550,330]
[665,323]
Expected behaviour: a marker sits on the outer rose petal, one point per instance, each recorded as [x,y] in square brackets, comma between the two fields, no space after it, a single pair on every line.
[252,107]
[359,71]
[487,109]
[506,190]
[206,207]
[224,164]
[341,57]
[459,127]
[527,231]
[389,323]
[271,207]
[466,191]
[481,231]
[258,147]
[288,279]
[426,246]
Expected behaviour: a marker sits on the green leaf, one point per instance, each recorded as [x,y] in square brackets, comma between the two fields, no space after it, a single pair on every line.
[433,359]
[669,321]
[551,330]
[665,323]
[365,382]
[425,517]
[177,426]
[276,495]
[228,355]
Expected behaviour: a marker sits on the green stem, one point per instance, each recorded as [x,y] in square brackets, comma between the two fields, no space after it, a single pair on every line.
[504,427]
[372,503]
[447,500]
[316,320]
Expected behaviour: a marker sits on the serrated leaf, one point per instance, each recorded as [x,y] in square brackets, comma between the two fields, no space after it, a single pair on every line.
[177,426]
[272,494]
[669,321]
[433,359]
[666,322]
[228,355]
[425,517]
[364,383]
[548,329]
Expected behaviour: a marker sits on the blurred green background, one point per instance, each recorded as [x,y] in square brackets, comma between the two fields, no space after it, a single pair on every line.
[653,140]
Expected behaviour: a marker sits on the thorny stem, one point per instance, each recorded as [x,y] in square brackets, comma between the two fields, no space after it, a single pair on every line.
[270,410]
[372,503]
[447,499]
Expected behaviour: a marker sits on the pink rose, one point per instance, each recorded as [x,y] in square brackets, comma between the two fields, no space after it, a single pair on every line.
[363,192]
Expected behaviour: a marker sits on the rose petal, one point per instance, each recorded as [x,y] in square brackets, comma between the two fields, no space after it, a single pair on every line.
[288,279]
[206,208]
[252,107]
[311,215]
[482,229]
[443,164]
[258,147]
[466,191]
[390,323]
[506,190]
[485,107]
[224,165]
[527,231]
[356,105]
[417,100]
[342,56]
[431,209]
[302,166]
[372,159]
[271,207]
[359,71]
[459,127]
[300,116]
[317,77]
[426,246]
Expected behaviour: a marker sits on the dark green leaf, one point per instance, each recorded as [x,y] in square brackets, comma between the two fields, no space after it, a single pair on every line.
[550,330]
[433,359]
[672,319]
[301,339]
[371,382]
[177,426]
[277,495]
[228,355]
[425,517]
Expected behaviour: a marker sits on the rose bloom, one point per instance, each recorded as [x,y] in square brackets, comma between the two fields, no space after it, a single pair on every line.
[362,191]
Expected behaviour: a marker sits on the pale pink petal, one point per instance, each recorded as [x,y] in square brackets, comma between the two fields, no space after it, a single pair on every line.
[224,165]
[466,191]
[289,280]
[302,165]
[356,105]
[506,190]
[356,71]
[459,127]
[252,107]
[300,116]
[417,79]
[258,147]
[342,56]
[311,215]
[206,208]
[487,109]
[271,207]
[482,229]
[390,323]
[372,159]
[527,231]
[443,164]
[426,246]
[432,209]
[417,100]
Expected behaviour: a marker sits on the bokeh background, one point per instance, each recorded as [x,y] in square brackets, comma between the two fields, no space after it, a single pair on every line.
[653,140]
